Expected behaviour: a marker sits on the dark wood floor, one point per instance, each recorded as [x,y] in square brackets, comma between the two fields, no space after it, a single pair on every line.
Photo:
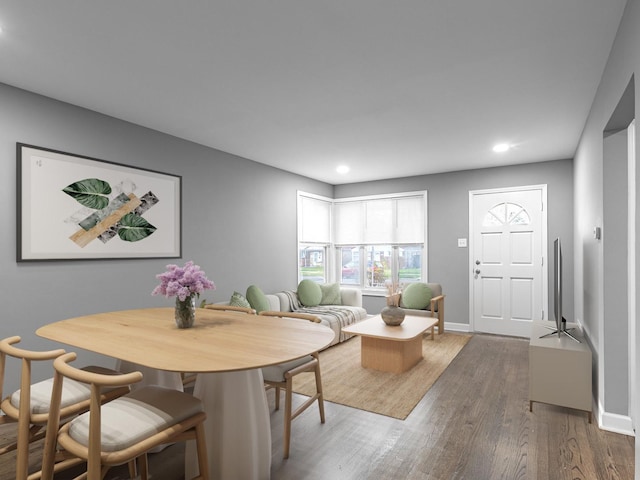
[474,423]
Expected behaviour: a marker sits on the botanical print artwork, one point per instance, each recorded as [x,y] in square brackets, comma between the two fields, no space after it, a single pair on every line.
[110,212]
[72,207]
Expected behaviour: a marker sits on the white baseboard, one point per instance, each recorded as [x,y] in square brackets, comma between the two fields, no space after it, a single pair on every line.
[614,422]
[456,327]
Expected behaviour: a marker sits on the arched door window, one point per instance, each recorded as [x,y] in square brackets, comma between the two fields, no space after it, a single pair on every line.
[506,214]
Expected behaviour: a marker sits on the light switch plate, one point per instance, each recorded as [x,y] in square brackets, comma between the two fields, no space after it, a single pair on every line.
[462,242]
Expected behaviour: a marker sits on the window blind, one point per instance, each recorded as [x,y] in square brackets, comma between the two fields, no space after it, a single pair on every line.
[380,221]
[314,220]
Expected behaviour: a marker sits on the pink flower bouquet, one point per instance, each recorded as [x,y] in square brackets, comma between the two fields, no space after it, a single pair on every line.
[183,282]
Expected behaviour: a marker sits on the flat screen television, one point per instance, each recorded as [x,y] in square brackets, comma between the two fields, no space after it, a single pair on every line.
[557,286]
[561,323]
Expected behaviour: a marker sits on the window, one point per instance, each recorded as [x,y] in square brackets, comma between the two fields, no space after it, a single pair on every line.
[409,263]
[314,237]
[349,259]
[379,261]
[366,266]
[381,265]
[505,214]
[373,241]
[380,240]
[311,263]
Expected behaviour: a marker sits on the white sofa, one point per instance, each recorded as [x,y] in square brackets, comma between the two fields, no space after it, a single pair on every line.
[333,316]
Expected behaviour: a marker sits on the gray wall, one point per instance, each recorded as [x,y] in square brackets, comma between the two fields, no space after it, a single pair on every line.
[615,260]
[448,202]
[623,61]
[238,220]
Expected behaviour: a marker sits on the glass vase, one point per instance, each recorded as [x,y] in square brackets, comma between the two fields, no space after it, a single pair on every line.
[185,312]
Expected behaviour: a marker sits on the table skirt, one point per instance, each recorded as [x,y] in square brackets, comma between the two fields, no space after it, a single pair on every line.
[238,428]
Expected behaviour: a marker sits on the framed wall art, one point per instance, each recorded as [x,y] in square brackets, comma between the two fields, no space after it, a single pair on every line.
[72,207]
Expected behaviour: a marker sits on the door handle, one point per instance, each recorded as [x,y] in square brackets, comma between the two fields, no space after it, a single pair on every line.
[477,262]
[477,271]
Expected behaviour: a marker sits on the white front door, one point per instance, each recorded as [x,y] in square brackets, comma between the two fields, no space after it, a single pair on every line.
[508,288]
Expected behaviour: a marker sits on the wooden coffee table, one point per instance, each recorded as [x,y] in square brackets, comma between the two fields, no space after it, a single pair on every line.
[391,349]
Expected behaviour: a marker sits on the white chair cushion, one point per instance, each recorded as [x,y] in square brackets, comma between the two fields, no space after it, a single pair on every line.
[275,373]
[138,415]
[72,392]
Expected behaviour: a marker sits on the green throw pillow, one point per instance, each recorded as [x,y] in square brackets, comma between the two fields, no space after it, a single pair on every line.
[416,296]
[257,300]
[309,293]
[330,294]
[239,300]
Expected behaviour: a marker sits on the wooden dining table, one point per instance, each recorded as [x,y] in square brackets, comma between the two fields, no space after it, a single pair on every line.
[226,349]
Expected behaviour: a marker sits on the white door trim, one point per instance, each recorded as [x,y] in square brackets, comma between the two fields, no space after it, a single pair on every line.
[545,269]
[631,272]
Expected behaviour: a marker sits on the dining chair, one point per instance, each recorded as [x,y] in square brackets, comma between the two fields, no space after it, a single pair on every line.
[281,377]
[123,430]
[29,406]
[188,377]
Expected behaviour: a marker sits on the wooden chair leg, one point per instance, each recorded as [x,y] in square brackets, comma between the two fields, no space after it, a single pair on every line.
[22,458]
[287,417]
[319,387]
[437,304]
[133,471]
[143,466]
[277,398]
[201,448]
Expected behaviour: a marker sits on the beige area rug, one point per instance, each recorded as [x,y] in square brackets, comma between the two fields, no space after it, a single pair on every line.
[346,382]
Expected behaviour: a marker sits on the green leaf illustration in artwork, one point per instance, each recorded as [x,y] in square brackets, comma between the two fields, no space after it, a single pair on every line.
[90,192]
[133,228]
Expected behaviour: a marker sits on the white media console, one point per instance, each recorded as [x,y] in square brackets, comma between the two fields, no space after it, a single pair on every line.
[559,369]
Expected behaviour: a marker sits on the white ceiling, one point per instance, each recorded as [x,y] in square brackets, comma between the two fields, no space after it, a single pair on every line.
[391,88]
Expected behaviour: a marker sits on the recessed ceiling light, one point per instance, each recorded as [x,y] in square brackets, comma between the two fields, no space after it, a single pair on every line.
[342,169]
[501,147]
